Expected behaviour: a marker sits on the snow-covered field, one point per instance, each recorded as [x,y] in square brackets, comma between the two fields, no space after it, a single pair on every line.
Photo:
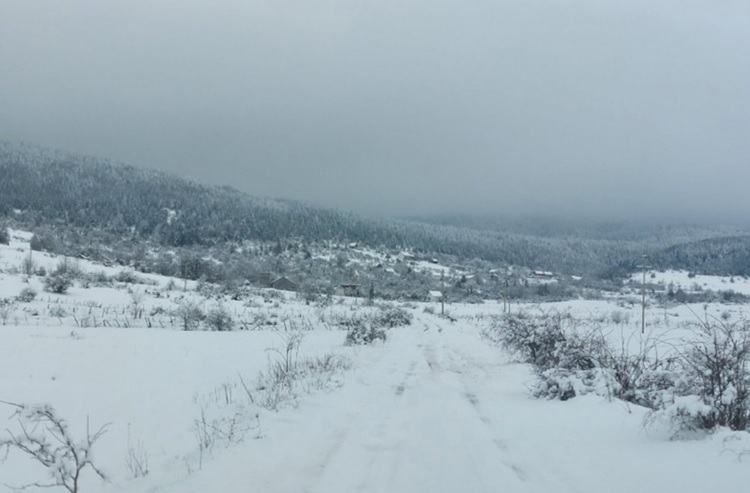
[435,408]
[692,282]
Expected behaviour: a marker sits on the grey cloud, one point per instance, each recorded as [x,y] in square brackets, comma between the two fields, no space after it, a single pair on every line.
[542,106]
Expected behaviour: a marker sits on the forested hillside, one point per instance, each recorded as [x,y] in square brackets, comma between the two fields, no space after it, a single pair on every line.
[60,188]
[80,196]
[720,256]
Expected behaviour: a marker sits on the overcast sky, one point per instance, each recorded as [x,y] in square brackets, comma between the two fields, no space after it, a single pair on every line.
[581,107]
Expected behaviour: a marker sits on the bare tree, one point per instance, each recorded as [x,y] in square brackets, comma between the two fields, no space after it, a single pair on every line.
[136,303]
[6,308]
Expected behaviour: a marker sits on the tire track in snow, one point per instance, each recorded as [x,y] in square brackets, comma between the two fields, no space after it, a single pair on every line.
[462,370]
[365,437]
[401,387]
[474,374]
[419,427]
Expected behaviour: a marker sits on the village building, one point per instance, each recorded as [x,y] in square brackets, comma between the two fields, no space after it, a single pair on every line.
[284,284]
[350,289]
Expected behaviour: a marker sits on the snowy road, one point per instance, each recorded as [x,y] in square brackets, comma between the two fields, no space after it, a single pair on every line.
[420,428]
[437,410]
[413,419]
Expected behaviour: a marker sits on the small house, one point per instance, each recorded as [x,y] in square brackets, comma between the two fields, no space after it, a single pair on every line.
[350,289]
[541,274]
[284,284]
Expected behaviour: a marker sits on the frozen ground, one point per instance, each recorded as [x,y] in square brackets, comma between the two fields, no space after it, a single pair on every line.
[433,409]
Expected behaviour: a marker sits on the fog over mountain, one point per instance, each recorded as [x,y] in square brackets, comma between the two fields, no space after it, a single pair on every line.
[578,107]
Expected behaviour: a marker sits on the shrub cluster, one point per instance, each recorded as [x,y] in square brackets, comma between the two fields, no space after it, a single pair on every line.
[189,314]
[703,385]
[287,374]
[565,356]
[219,319]
[392,317]
[715,388]
[61,278]
[366,329]
[6,308]
[26,295]
[58,282]
[362,332]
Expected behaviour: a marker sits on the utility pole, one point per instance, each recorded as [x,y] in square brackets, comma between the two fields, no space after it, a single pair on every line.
[506,301]
[442,293]
[643,295]
[30,265]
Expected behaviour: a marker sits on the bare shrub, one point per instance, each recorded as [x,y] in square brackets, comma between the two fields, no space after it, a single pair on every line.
[58,311]
[227,417]
[26,295]
[99,278]
[27,266]
[127,277]
[712,387]
[319,373]
[219,319]
[366,329]
[684,417]
[287,375]
[277,386]
[45,438]
[547,339]
[393,317]
[136,460]
[58,282]
[289,352]
[362,332]
[573,357]
[564,384]
[6,308]
[642,377]
[227,426]
[43,242]
[137,299]
[189,314]
[274,386]
[619,317]
[703,384]
[716,362]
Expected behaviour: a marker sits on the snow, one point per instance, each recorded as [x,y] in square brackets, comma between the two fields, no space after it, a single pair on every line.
[435,408]
[435,269]
[430,411]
